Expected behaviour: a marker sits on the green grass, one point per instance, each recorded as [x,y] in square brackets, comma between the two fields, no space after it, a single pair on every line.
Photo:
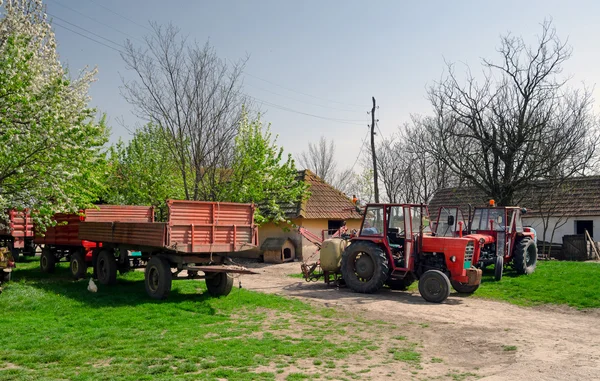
[53,328]
[300,276]
[509,348]
[576,284]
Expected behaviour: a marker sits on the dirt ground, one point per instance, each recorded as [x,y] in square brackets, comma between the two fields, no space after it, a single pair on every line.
[475,338]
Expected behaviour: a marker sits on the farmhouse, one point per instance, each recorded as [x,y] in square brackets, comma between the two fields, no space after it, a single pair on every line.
[323,211]
[553,211]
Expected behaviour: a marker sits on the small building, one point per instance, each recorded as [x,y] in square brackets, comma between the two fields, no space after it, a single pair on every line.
[568,209]
[323,212]
[278,250]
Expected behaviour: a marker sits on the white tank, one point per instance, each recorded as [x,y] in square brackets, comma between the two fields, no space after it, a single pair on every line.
[331,254]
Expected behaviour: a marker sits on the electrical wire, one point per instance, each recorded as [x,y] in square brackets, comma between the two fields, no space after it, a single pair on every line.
[89,38]
[86,30]
[120,15]
[360,151]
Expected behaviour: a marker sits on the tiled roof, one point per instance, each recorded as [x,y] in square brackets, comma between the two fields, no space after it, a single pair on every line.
[579,196]
[324,201]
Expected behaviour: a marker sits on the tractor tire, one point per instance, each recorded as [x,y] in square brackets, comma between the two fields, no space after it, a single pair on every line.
[434,286]
[78,265]
[525,258]
[400,284]
[499,268]
[47,261]
[219,284]
[463,288]
[106,268]
[158,278]
[14,252]
[364,267]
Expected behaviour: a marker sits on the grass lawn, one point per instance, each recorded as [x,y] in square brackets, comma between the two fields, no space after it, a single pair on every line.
[53,328]
[576,284]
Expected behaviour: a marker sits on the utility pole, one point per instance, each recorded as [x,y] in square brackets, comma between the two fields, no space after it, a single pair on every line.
[376,187]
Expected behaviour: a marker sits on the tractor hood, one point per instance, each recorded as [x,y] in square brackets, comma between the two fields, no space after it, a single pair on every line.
[482,239]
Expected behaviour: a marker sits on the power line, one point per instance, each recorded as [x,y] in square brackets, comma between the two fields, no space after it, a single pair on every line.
[120,15]
[97,21]
[360,150]
[89,38]
[284,108]
[86,30]
[300,92]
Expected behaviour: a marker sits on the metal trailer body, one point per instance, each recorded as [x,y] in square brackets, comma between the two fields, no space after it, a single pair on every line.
[18,234]
[62,240]
[199,236]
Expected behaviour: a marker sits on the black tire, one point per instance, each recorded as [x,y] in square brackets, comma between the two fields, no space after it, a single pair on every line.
[463,288]
[400,284]
[106,268]
[499,268]
[6,276]
[364,267]
[434,286]
[219,284]
[525,258]
[47,261]
[16,253]
[78,265]
[29,250]
[158,278]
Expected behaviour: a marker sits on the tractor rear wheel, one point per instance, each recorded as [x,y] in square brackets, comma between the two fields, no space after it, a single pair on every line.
[364,267]
[434,286]
[47,261]
[525,258]
[219,284]
[463,288]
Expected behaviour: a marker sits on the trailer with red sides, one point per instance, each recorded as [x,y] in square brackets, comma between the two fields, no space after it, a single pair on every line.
[62,242]
[17,234]
[198,238]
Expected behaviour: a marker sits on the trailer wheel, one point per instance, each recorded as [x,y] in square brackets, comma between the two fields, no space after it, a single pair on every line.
[434,286]
[463,288]
[78,265]
[364,267]
[29,250]
[47,261]
[6,276]
[14,252]
[525,258]
[499,268]
[106,268]
[219,284]
[158,278]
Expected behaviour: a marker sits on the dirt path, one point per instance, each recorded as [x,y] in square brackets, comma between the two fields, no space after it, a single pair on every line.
[474,338]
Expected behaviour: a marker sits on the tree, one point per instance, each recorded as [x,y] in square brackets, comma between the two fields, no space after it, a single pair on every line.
[50,144]
[520,123]
[260,174]
[320,158]
[143,172]
[194,97]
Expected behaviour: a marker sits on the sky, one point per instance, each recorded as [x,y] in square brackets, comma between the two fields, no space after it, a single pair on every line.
[317,63]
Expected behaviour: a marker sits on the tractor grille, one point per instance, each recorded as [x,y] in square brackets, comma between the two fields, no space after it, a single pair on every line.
[469,250]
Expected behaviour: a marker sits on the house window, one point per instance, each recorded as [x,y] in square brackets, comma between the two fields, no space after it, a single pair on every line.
[582,226]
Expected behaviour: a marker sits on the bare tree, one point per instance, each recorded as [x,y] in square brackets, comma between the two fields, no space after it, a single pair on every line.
[196,100]
[518,124]
[320,158]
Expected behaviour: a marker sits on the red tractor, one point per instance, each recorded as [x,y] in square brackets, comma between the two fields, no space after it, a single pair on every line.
[395,247]
[500,233]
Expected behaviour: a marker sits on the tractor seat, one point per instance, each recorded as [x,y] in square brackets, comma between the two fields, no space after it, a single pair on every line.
[395,246]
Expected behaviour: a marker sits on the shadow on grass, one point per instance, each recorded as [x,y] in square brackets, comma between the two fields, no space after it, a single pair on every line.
[127,291]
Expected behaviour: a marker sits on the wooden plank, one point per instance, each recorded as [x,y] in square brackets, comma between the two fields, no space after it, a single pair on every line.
[221,269]
[593,243]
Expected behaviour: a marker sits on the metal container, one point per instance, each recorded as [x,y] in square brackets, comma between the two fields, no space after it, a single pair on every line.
[66,232]
[330,256]
[192,227]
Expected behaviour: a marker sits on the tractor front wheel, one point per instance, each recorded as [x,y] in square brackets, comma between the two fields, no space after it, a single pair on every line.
[499,268]
[364,267]
[434,286]
[525,258]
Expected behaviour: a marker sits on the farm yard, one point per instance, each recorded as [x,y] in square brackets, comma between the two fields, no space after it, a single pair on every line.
[278,327]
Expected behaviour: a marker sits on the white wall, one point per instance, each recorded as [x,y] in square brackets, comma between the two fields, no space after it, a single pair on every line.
[566,227]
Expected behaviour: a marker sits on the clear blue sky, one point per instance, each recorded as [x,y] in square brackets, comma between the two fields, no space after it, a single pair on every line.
[334,51]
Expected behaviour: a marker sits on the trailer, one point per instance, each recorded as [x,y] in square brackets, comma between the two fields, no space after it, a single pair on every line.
[198,237]
[17,234]
[62,243]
